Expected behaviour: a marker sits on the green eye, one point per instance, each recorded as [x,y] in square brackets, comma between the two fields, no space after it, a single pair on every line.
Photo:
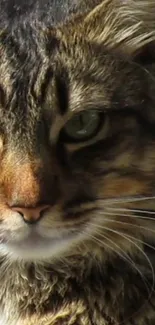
[82,126]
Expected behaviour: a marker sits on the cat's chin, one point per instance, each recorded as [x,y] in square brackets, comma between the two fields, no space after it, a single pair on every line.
[37,248]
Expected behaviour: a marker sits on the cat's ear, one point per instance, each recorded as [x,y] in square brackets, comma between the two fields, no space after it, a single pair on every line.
[127,25]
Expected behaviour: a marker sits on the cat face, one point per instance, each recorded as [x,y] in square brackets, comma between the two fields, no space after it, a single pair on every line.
[77,135]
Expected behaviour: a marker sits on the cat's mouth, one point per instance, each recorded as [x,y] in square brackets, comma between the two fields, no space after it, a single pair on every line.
[33,239]
[37,247]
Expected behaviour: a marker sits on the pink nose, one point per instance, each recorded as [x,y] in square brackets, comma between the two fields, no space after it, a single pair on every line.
[31,215]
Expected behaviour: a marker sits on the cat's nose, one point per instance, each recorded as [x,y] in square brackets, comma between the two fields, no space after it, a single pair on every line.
[31,215]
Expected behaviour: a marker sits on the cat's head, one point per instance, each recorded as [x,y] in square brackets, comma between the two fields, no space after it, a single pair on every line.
[77,135]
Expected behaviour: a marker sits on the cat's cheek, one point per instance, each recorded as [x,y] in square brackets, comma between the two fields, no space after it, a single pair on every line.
[114,186]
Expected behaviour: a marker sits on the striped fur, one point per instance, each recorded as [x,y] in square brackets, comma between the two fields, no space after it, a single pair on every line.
[94,263]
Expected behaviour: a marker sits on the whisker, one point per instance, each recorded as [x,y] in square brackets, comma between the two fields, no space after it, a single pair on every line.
[125,199]
[146,71]
[128,215]
[140,249]
[118,247]
[139,240]
[142,242]
[148,260]
[125,223]
[132,210]
[124,256]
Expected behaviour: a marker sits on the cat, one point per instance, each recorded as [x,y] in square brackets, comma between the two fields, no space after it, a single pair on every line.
[77,162]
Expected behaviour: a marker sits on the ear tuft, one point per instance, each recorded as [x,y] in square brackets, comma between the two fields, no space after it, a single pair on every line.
[128,25]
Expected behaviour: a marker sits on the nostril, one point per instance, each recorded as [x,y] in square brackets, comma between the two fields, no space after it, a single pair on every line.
[31,215]
[22,215]
[30,221]
[28,218]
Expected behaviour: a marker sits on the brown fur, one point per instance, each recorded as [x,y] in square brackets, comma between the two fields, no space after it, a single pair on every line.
[101,191]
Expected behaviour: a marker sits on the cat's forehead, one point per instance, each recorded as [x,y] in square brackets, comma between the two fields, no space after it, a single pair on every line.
[51,13]
[30,65]
[41,73]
